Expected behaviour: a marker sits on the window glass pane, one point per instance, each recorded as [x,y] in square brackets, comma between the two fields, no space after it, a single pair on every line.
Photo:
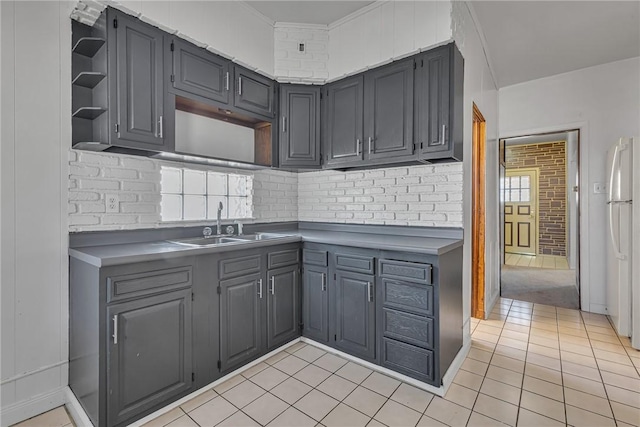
[237,185]
[524,182]
[194,207]
[237,207]
[212,206]
[515,195]
[195,182]
[525,195]
[217,184]
[507,196]
[171,207]
[515,182]
[171,181]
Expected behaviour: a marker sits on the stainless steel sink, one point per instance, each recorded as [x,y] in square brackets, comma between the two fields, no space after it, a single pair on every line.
[261,236]
[207,241]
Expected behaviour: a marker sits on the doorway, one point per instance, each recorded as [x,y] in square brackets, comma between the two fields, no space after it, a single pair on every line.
[539,200]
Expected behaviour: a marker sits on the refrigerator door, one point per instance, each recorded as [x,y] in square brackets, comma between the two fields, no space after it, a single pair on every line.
[635,245]
[619,172]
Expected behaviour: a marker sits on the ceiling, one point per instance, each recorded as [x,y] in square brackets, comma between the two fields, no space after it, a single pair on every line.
[528,40]
[307,11]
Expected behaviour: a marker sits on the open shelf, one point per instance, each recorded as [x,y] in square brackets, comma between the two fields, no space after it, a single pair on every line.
[88,112]
[88,79]
[88,46]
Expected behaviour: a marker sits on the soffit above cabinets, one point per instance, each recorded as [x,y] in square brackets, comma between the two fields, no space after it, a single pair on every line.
[528,40]
[307,11]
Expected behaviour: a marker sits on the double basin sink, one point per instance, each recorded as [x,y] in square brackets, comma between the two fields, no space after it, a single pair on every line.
[225,240]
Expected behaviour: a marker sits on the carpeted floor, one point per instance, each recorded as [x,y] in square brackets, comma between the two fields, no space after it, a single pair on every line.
[540,285]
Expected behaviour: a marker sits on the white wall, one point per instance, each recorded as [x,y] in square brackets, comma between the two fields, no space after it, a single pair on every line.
[603,102]
[385,31]
[36,130]
[479,88]
[293,66]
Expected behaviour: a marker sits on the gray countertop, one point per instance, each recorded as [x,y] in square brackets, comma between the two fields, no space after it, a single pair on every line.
[107,255]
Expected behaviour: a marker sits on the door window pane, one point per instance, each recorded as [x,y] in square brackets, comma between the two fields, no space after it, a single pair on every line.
[515,195]
[524,182]
[525,195]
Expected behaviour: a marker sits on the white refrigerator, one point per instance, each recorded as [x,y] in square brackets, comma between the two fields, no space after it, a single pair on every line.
[623,281]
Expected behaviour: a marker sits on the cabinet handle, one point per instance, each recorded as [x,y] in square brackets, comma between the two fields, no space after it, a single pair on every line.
[284,124]
[370,291]
[226,81]
[273,285]
[161,124]
[358,147]
[370,144]
[115,329]
[239,85]
[260,288]
[324,281]
[444,128]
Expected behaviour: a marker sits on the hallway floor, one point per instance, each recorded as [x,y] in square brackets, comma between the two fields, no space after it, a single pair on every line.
[529,365]
[539,261]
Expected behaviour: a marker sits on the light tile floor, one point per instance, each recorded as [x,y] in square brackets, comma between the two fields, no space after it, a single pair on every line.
[529,365]
[539,261]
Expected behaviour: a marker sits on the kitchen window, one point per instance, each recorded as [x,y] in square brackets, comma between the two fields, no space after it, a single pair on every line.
[192,195]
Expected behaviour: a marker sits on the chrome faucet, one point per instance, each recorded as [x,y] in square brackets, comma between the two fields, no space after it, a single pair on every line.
[218,228]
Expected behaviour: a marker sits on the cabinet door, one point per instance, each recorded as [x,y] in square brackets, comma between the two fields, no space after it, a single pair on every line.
[282,305]
[200,72]
[315,303]
[432,104]
[149,353]
[343,116]
[300,126]
[388,112]
[240,314]
[355,314]
[253,92]
[139,88]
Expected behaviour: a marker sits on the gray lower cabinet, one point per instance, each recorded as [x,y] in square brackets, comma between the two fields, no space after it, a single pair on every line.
[253,92]
[240,319]
[283,305]
[300,126]
[149,353]
[355,314]
[315,302]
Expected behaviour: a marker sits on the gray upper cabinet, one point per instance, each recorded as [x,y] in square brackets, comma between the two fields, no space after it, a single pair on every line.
[388,112]
[315,303]
[197,71]
[283,305]
[343,121]
[149,353]
[355,314]
[240,319]
[438,114]
[300,126]
[253,92]
[137,94]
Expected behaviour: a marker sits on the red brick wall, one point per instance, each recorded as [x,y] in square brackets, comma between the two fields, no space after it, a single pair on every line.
[550,158]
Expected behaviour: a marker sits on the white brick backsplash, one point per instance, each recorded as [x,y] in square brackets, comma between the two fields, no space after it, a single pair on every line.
[136,181]
[422,195]
[294,66]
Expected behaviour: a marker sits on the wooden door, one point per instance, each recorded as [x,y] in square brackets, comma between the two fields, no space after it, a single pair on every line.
[343,116]
[355,314]
[240,319]
[521,211]
[282,305]
[300,126]
[388,115]
[149,353]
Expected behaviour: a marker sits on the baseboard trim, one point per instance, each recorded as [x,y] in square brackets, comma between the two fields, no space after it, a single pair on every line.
[75,409]
[29,408]
[198,392]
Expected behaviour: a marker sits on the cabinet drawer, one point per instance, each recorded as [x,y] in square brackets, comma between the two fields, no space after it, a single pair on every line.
[148,282]
[283,258]
[410,328]
[314,257]
[408,359]
[403,270]
[235,267]
[407,296]
[357,263]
